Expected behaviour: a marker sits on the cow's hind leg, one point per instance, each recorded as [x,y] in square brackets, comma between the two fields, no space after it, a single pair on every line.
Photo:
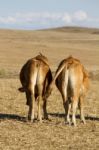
[28,97]
[69,108]
[81,106]
[31,107]
[40,102]
[74,107]
[44,109]
[66,106]
[39,108]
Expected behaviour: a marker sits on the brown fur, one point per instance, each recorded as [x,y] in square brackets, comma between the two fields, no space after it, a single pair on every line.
[35,77]
[72,80]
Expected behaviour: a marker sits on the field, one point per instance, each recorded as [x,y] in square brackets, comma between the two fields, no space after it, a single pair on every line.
[16,47]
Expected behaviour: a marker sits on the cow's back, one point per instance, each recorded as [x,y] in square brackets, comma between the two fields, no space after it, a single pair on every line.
[35,73]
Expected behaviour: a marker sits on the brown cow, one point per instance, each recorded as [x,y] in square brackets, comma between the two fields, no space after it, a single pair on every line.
[72,80]
[35,77]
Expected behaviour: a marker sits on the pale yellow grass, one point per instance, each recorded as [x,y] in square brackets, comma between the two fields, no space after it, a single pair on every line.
[16,133]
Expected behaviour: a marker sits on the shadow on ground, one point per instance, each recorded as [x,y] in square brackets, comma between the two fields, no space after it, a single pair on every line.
[12,117]
[77,116]
[57,115]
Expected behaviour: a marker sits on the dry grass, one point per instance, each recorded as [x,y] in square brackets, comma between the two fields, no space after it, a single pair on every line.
[18,134]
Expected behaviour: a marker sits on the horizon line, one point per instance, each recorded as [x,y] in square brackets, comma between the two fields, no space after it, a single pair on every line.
[47,28]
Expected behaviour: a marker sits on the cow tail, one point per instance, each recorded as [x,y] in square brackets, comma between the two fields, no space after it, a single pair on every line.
[60,69]
[21,89]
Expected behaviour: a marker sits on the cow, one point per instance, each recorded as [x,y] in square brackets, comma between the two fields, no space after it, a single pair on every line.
[35,77]
[72,80]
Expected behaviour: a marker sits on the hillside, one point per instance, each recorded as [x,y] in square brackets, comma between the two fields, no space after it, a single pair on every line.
[18,46]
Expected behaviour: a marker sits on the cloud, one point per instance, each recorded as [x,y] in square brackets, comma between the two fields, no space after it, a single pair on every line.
[66,18]
[80,15]
[44,16]
[47,19]
[96,20]
[7,20]
[36,16]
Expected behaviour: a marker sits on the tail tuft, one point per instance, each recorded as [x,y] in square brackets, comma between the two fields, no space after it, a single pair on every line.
[21,89]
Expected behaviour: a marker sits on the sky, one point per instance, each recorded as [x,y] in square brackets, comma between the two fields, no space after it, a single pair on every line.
[42,14]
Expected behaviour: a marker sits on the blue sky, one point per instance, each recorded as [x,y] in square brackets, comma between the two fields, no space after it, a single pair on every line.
[40,14]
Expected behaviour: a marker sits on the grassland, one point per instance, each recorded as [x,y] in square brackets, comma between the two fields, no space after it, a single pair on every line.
[16,133]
